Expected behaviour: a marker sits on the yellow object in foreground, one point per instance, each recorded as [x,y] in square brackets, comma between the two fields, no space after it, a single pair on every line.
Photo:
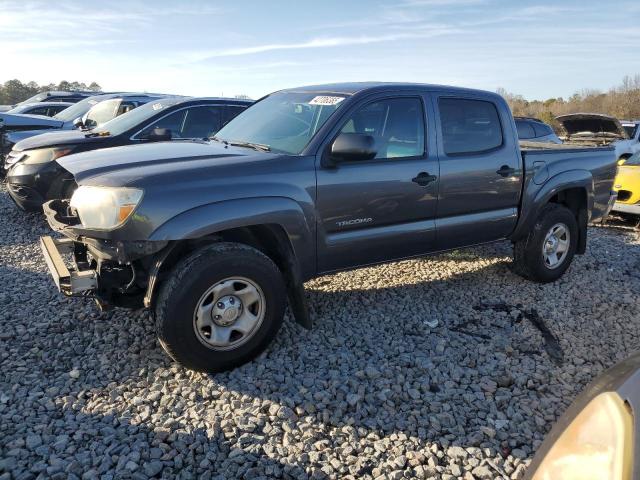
[627,184]
[597,445]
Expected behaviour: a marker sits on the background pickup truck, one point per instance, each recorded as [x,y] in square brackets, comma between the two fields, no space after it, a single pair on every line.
[213,235]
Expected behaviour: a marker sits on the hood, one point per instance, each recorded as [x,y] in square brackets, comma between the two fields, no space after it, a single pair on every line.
[17,136]
[122,166]
[592,124]
[56,138]
[8,121]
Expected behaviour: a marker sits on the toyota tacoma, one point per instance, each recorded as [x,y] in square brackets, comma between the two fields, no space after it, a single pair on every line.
[213,236]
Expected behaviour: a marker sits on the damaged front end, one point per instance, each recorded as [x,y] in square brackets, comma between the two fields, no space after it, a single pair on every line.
[114,272]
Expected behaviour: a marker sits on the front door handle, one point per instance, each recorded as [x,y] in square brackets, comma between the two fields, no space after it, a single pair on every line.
[423,179]
[505,171]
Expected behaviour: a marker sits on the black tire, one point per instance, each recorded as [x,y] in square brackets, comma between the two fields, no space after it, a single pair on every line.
[191,278]
[528,260]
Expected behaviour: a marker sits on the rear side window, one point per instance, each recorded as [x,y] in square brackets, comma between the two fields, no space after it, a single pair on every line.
[469,126]
[396,125]
[194,122]
[542,129]
[525,130]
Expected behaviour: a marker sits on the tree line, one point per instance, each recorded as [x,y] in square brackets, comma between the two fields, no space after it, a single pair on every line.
[14,91]
[621,101]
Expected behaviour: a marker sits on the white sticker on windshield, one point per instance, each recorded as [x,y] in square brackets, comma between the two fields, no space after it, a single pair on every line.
[326,100]
[156,106]
[92,102]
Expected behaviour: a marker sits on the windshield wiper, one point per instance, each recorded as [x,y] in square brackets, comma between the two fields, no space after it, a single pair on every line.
[261,147]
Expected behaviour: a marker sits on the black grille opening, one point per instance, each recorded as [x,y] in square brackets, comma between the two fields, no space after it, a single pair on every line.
[624,195]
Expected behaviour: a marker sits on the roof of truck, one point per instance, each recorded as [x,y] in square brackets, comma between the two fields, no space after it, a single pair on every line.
[351,88]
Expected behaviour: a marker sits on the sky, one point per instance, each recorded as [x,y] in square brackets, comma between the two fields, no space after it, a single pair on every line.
[539,49]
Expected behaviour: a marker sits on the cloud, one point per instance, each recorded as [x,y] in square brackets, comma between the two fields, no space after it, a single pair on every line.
[324,42]
[439,3]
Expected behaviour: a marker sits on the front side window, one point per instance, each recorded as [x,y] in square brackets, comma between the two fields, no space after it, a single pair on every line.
[525,130]
[396,125]
[194,122]
[285,122]
[201,122]
[469,126]
[102,112]
[174,122]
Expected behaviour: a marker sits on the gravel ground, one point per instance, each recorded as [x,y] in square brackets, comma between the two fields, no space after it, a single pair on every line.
[373,391]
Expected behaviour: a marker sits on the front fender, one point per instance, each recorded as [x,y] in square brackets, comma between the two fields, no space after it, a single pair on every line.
[534,199]
[216,217]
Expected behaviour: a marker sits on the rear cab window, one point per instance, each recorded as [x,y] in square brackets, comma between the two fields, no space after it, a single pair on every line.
[469,126]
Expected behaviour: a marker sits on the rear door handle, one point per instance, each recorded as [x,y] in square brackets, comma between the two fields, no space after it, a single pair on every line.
[424,178]
[505,171]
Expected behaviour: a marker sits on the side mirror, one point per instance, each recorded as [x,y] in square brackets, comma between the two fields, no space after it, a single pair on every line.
[159,135]
[78,123]
[353,147]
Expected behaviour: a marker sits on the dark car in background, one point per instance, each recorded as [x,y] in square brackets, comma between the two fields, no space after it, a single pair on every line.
[535,130]
[88,113]
[47,109]
[34,176]
[53,96]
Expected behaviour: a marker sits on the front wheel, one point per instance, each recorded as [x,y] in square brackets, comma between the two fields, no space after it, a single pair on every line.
[220,307]
[546,252]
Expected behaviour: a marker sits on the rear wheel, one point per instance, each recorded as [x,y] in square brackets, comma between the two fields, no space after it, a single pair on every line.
[220,307]
[547,251]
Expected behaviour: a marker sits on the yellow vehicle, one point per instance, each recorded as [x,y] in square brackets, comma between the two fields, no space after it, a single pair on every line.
[627,184]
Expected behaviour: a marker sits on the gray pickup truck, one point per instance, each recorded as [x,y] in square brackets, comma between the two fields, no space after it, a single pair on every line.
[213,236]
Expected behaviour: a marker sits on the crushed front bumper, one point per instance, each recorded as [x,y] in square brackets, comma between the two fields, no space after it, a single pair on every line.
[70,281]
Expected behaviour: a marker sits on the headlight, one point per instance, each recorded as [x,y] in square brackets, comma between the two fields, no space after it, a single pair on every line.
[44,155]
[105,208]
[597,444]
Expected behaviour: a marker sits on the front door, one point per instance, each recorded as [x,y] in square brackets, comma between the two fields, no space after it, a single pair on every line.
[480,171]
[381,209]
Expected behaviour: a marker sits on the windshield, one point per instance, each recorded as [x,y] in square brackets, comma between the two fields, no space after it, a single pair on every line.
[633,160]
[38,97]
[135,117]
[76,110]
[18,109]
[284,121]
[631,130]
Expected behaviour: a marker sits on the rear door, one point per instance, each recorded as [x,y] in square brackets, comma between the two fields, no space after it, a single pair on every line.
[480,171]
[381,209]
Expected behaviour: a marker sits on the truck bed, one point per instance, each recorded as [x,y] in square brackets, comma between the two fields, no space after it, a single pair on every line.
[543,161]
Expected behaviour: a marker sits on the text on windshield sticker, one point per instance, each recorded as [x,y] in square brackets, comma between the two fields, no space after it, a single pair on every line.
[325,100]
